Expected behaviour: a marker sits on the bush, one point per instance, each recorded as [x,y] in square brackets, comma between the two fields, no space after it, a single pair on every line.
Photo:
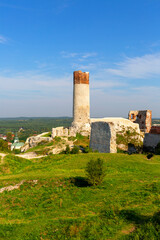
[67,151]
[3,145]
[87,149]
[75,150]
[17,151]
[95,172]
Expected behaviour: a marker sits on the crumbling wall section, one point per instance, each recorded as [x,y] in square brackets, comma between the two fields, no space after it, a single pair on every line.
[151,141]
[143,118]
[155,129]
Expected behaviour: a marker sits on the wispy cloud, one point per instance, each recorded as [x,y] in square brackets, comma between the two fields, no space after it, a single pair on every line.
[65,54]
[3,39]
[138,67]
[79,56]
[29,82]
[106,84]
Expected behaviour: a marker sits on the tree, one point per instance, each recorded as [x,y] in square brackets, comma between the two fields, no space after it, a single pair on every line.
[3,145]
[9,137]
[95,172]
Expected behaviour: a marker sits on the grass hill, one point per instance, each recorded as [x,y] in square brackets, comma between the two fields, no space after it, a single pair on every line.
[54,201]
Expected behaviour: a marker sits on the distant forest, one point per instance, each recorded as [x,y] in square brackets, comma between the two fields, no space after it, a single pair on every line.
[31,126]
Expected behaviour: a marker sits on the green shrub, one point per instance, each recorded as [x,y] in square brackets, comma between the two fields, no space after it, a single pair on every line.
[87,149]
[3,145]
[57,139]
[47,135]
[17,151]
[75,150]
[67,151]
[95,172]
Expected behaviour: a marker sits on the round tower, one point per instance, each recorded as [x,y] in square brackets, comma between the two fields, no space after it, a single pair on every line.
[81,103]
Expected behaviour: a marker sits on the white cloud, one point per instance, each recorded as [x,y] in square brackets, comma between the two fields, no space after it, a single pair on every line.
[68,55]
[80,56]
[88,55]
[3,39]
[33,82]
[105,84]
[138,67]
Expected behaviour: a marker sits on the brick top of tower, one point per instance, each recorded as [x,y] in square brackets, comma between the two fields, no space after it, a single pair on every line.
[81,77]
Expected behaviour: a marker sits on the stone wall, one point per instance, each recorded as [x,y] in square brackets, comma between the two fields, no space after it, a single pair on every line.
[143,118]
[151,141]
[155,129]
[103,137]
[119,123]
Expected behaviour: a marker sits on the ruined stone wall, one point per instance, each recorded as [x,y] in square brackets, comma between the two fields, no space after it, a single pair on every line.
[81,102]
[119,123]
[63,132]
[143,118]
[103,137]
[151,141]
[155,129]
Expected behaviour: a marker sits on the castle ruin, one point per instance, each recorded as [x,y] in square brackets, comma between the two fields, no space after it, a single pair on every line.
[103,131]
[143,118]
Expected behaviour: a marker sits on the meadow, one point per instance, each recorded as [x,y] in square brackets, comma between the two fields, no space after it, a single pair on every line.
[61,205]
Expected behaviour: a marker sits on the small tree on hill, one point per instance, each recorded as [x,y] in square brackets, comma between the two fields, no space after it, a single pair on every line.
[67,151]
[3,145]
[9,137]
[95,172]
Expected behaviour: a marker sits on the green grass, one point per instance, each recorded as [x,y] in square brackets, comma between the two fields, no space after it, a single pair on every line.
[47,135]
[62,206]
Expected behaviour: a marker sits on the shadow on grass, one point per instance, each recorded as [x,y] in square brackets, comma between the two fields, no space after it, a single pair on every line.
[79,181]
[147,227]
[133,216]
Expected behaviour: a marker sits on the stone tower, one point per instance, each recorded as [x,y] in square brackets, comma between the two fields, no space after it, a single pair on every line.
[81,103]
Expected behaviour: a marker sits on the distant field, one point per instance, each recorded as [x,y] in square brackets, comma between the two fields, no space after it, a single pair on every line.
[62,206]
[155,121]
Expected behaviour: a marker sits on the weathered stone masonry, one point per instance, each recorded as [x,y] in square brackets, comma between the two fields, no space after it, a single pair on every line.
[143,118]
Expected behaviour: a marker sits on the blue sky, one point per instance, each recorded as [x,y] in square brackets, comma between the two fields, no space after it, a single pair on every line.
[43,42]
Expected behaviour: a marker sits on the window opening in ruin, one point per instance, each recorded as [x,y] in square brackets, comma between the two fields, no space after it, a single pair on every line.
[132,116]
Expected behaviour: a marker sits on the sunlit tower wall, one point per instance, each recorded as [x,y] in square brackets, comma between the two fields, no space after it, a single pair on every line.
[81,101]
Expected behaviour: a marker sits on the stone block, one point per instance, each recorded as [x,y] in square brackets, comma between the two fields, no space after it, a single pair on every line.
[151,141]
[65,132]
[53,132]
[103,137]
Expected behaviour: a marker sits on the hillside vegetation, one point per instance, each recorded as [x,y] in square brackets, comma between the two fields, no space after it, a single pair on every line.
[31,126]
[54,201]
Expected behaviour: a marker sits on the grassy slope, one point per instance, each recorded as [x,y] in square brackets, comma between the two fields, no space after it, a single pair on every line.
[55,208]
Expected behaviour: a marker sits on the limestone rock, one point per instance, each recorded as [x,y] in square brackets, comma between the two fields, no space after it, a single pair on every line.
[34,141]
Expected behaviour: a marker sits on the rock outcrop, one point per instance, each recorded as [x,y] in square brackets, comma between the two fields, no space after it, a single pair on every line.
[34,141]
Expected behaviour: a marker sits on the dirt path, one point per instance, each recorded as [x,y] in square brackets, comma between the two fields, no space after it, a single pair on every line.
[29,155]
